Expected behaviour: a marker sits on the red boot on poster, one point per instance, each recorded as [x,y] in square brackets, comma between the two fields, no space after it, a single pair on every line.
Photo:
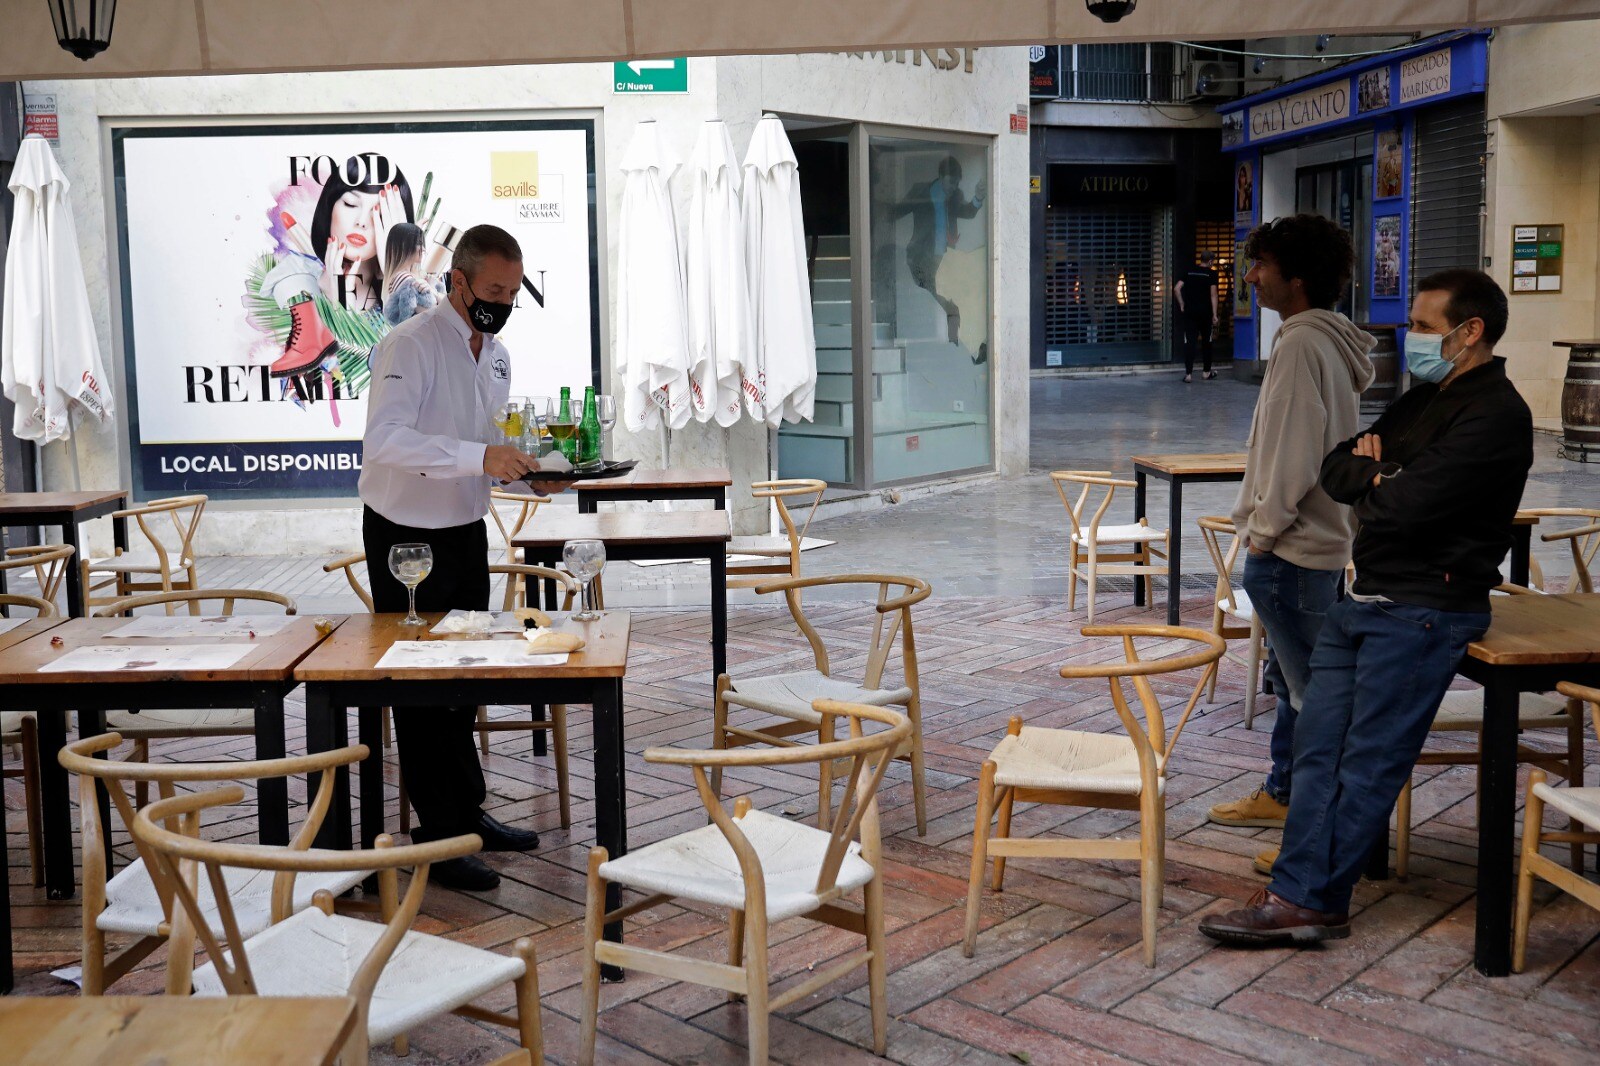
[310,342]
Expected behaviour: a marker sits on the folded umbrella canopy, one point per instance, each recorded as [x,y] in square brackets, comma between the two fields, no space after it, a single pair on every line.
[781,385]
[652,355]
[49,355]
[721,332]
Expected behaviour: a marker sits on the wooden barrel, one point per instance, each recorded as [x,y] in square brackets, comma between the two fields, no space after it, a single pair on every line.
[1386,370]
[1580,402]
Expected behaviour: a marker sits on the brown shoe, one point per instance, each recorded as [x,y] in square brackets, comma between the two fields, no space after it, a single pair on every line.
[1264,861]
[1257,811]
[1266,919]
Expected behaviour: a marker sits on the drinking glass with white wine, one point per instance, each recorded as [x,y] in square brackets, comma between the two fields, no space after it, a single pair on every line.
[606,407]
[410,564]
[584,559]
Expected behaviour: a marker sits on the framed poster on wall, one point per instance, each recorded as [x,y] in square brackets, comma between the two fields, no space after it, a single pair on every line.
[1241,291]
[259,268]
[1386,256]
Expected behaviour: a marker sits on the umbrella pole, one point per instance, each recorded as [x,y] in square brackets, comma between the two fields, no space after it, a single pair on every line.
[72,450]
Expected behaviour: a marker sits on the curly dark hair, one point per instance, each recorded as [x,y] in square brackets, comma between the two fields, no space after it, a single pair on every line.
[1473,294]
[1308,247]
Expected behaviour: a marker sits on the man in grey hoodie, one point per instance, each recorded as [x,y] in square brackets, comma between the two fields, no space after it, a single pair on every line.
[1299,538]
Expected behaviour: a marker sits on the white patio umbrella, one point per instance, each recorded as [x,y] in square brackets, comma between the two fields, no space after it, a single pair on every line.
[721,331]
[782,384]
[652,356]
[49,355]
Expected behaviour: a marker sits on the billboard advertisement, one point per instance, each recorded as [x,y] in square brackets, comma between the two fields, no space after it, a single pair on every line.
[260,264]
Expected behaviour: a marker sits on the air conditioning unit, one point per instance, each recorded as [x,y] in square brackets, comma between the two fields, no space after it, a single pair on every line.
[1213,80]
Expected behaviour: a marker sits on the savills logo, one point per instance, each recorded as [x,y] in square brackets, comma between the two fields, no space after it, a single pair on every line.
[514,175]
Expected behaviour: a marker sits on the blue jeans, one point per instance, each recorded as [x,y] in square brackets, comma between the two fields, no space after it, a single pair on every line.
[1291,601]
[1377,676]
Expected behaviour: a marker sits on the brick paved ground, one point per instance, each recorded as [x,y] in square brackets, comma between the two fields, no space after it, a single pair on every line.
[1058,976]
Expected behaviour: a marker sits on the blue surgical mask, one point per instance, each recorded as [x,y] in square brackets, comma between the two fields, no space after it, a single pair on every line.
[1425,355]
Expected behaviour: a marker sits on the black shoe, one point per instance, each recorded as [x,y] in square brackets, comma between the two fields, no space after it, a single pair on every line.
[497,837]
[468,873]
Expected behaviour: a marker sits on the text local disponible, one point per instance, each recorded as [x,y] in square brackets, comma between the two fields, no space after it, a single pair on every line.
[1307,109]
[251,464]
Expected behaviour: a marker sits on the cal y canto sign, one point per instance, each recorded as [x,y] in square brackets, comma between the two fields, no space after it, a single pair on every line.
[1302,111]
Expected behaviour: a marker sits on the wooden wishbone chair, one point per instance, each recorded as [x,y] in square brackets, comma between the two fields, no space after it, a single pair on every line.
[167,724]
[1585,544]
[1582,806]
[19,730]
[791,696]
[404,978]
[1096,548]
[49,563]
[160,566]
[527,506]
[1081,769]
[763,869]
[138,901]
[1233,616]
[778,555]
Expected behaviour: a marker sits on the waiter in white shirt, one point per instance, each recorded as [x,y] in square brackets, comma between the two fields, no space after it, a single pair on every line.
[437,379]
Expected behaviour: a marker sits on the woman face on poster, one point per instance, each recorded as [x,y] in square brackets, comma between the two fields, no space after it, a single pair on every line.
[350,227]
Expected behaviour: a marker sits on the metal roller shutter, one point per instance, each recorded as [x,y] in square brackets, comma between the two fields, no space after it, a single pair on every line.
[1106,291]
[1447,189]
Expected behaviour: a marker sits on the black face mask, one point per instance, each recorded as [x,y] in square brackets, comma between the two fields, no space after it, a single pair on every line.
[486,317]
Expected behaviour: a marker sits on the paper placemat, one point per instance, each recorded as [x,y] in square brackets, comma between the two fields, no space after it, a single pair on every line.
[503,622]
[239,627]
[437,654]
[105,658]
[8,624]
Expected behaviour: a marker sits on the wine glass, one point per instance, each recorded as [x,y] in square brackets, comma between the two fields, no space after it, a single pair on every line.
[606,407]
[585,559]
[410,563]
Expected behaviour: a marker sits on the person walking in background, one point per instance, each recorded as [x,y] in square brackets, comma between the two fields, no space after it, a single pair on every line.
[1298,536]
[1196,293]
[1435,485]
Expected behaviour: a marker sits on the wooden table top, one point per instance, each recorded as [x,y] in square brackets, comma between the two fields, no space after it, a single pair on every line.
[353,651]
[1541,631]
[34,502]
[274,660]
[614,527]
[174,1030]
[677,477]
[31,628]
[1184,465]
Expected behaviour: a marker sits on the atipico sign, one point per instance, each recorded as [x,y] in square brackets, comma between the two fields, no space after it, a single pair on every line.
[1425,76]
[1302,111]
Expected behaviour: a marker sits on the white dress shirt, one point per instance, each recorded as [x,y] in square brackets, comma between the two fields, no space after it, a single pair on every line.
[428,413]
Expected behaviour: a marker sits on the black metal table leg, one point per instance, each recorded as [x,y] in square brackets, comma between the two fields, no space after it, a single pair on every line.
[540,743]
[1521,554]
[1497,801]
[719,612]
[7,971]
[610,794]
[272,793]
[1139,499]
[59,875]
[321,736]
[1174,547]
[1377,867]
[75,590]
[369,731]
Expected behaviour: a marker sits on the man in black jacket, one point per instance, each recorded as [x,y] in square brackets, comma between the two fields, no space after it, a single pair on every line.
[1435,484]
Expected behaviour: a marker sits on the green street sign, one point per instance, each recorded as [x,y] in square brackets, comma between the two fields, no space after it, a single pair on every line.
[651,76]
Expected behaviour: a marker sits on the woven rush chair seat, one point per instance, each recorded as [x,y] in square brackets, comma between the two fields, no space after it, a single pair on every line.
[1241,607]
[790,695]
[1463,709]
[206,722]
[700,865]
[1580,803]
[1070,760]
[136,562]
[132,905]
[1125,534]
[315,954]
[759,545]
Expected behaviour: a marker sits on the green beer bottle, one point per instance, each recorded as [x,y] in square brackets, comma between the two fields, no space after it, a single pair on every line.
[562,428]
[589,431]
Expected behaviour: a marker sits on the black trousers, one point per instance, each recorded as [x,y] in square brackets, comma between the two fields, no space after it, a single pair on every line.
[1197,333]
[438,753]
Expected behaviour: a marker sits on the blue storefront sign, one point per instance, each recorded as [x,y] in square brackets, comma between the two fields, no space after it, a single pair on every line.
[1379,96]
